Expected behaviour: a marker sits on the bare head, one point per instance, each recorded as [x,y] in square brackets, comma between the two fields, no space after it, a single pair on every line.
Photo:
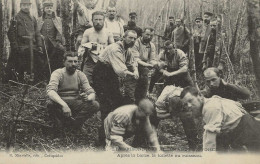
[129,38]
[111,12]
[212,78]
[70,60]
[98,19]
[145,108]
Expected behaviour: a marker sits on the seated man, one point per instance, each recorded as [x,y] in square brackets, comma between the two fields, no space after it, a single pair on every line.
[217,86]
[67,104]
[124,120]
[227,123]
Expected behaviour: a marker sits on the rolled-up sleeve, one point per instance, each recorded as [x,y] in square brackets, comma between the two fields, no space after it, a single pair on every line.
[183,60]
[85,83]
[117,62]
[54,81]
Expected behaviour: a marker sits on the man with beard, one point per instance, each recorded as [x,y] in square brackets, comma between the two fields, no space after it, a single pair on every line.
[114,62]
[208,57]
[181,36]
[169,29]
[113,25]
[215,85]
[50,27]
[145,53]
[23,30]
[99,37]
[68,106]
[206,31]
[132,24]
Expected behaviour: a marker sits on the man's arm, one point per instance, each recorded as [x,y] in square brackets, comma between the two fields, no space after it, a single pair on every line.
[85,37]
[183,64]
[151,133]
[209,141]
[52,89]
[238,91]
[110,38]
[89,93]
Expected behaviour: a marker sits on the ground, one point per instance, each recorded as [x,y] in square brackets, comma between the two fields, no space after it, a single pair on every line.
[33,128]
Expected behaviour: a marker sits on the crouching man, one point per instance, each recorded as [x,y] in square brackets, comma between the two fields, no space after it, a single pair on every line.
[227,124]
[72,98]
[125,120]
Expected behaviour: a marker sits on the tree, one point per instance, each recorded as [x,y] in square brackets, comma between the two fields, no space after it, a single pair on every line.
[253,10]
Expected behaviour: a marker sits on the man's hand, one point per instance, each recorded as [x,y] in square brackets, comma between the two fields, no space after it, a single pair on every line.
[91,97]
[136,74]
[66,110]
[166,73]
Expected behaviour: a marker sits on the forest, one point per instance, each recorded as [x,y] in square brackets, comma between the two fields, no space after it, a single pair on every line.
[24,121]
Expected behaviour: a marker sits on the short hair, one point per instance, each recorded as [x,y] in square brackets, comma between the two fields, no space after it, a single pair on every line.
[146,106]
[214,69]
[69,54]
[98,13]
[128,31]
[167,43]
[148,28]
[111,7]
[192,90]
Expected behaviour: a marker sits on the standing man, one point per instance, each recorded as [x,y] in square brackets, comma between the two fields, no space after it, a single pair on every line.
[206,31]
[145,53]
[23,31]
[209,54]
[100,37]
[113,25]
[197,35]
[114,62]
[131,25]
[68,106]
[227,124]
[50,27]
[169,29]
[181,36]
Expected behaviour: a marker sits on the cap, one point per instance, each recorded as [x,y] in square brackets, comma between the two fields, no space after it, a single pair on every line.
[171,17]
[132,14]
[26,1]
[208,13]
[46,3]
[198,18]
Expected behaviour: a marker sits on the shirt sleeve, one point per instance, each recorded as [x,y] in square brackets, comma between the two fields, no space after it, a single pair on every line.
[209,141]
[119,125]
[54,81]
[115,58]
[135,51]
[183,60]
[85,83]
[153,57]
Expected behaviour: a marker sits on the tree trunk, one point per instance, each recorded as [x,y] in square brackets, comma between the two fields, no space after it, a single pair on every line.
[2,41]
[253,10]
[66,22]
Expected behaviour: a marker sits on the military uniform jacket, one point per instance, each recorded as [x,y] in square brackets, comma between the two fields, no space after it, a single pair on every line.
[58,25]
[22,26]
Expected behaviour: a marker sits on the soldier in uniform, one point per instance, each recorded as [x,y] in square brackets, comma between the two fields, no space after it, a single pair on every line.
[169,29]
[197,34]
[24,37]
[50,27]
[131,25]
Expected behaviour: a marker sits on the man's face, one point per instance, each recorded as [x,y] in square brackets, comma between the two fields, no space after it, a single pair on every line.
[79,38]
[171,21]
[111,13]
[98,22]
[130,39]
[147,36]
[213,26]
[133,19]
[178,23]
[199,23]
[206,18]
[71,64]
[193,103]
[48,10]
[212,80]
[25,7]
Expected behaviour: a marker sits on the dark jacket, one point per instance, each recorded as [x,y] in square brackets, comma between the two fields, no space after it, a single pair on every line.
[168,32]
[22,26]
[137,29]
[228,91]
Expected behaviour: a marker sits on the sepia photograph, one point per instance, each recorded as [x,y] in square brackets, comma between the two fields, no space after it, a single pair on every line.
[129,81]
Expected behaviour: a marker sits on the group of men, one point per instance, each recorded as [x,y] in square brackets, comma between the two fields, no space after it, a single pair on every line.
[111,56]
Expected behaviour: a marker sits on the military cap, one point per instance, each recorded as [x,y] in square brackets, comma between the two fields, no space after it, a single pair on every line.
[46,3]
[171,17]
[132,14]
[26,1]
[198,18]
[208,13]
